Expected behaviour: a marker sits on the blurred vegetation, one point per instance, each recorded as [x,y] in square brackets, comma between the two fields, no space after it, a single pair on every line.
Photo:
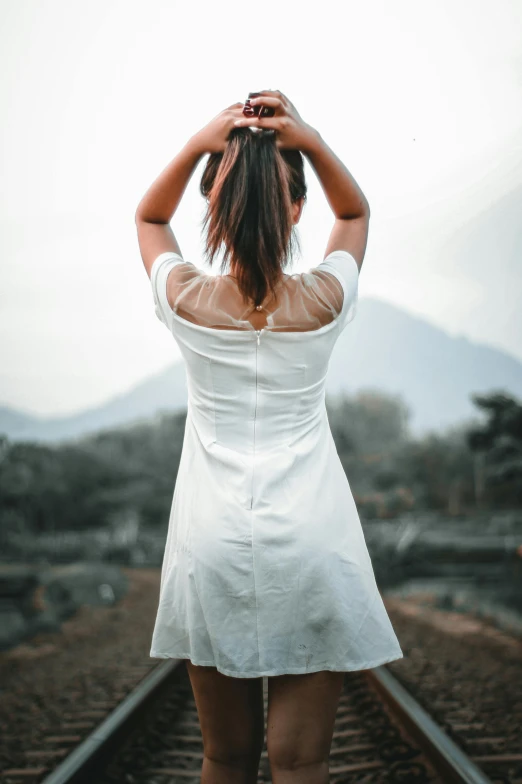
[392,473]
[129,473]
[124,473]
[498,447]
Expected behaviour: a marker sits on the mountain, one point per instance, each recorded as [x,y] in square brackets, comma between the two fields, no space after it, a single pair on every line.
[487,250]
[383,348]
[388,349]
[165,390]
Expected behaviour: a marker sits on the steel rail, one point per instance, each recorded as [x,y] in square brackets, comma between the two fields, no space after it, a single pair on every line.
[94,752]
[78,766]
[446,757]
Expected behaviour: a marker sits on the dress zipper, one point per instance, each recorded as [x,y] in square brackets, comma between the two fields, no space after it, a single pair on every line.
[258,331]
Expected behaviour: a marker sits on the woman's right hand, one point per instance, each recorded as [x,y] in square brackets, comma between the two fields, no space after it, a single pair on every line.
[291,130]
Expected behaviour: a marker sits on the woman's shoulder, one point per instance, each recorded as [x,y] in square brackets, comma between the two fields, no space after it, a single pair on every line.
[304,301]
[340,263]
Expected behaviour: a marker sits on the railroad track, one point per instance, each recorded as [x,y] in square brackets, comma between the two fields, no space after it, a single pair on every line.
[153,737]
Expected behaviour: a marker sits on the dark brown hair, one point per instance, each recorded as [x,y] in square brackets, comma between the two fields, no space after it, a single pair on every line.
[249,189]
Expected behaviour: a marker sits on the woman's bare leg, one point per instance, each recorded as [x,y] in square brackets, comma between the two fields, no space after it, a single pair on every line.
[300,722]
[231,717]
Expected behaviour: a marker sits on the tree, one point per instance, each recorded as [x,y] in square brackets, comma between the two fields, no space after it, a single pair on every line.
[497,444]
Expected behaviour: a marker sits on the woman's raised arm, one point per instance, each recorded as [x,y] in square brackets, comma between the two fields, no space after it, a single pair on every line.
[161,201]
[348,202]
[157,207]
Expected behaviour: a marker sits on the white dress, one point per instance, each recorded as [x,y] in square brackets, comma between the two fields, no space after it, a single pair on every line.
[266,569]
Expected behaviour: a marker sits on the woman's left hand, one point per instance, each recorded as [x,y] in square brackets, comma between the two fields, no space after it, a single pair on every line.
[214,136]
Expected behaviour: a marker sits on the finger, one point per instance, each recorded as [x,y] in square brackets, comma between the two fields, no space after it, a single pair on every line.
[237,115]
[235,112]
[271,123]
[271,94]
[268,100]
[246,122]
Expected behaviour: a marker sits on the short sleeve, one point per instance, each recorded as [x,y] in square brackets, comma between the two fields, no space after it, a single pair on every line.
[343,266]
[159,273]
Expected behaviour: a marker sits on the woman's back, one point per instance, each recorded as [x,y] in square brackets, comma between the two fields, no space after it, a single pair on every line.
[252,388]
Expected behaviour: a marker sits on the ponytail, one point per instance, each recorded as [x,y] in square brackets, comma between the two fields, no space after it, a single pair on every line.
[250,189]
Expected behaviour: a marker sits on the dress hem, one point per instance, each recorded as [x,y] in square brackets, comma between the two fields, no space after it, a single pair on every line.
[286,670]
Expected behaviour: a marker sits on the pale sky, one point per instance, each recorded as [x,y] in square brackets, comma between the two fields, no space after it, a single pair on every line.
[421,100]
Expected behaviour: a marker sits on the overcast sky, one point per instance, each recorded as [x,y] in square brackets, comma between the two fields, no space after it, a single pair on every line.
[421,100]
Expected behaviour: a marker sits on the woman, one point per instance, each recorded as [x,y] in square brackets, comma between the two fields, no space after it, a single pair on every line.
[266,571]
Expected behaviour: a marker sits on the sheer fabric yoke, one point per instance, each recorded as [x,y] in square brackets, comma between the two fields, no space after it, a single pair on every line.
[304,301]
